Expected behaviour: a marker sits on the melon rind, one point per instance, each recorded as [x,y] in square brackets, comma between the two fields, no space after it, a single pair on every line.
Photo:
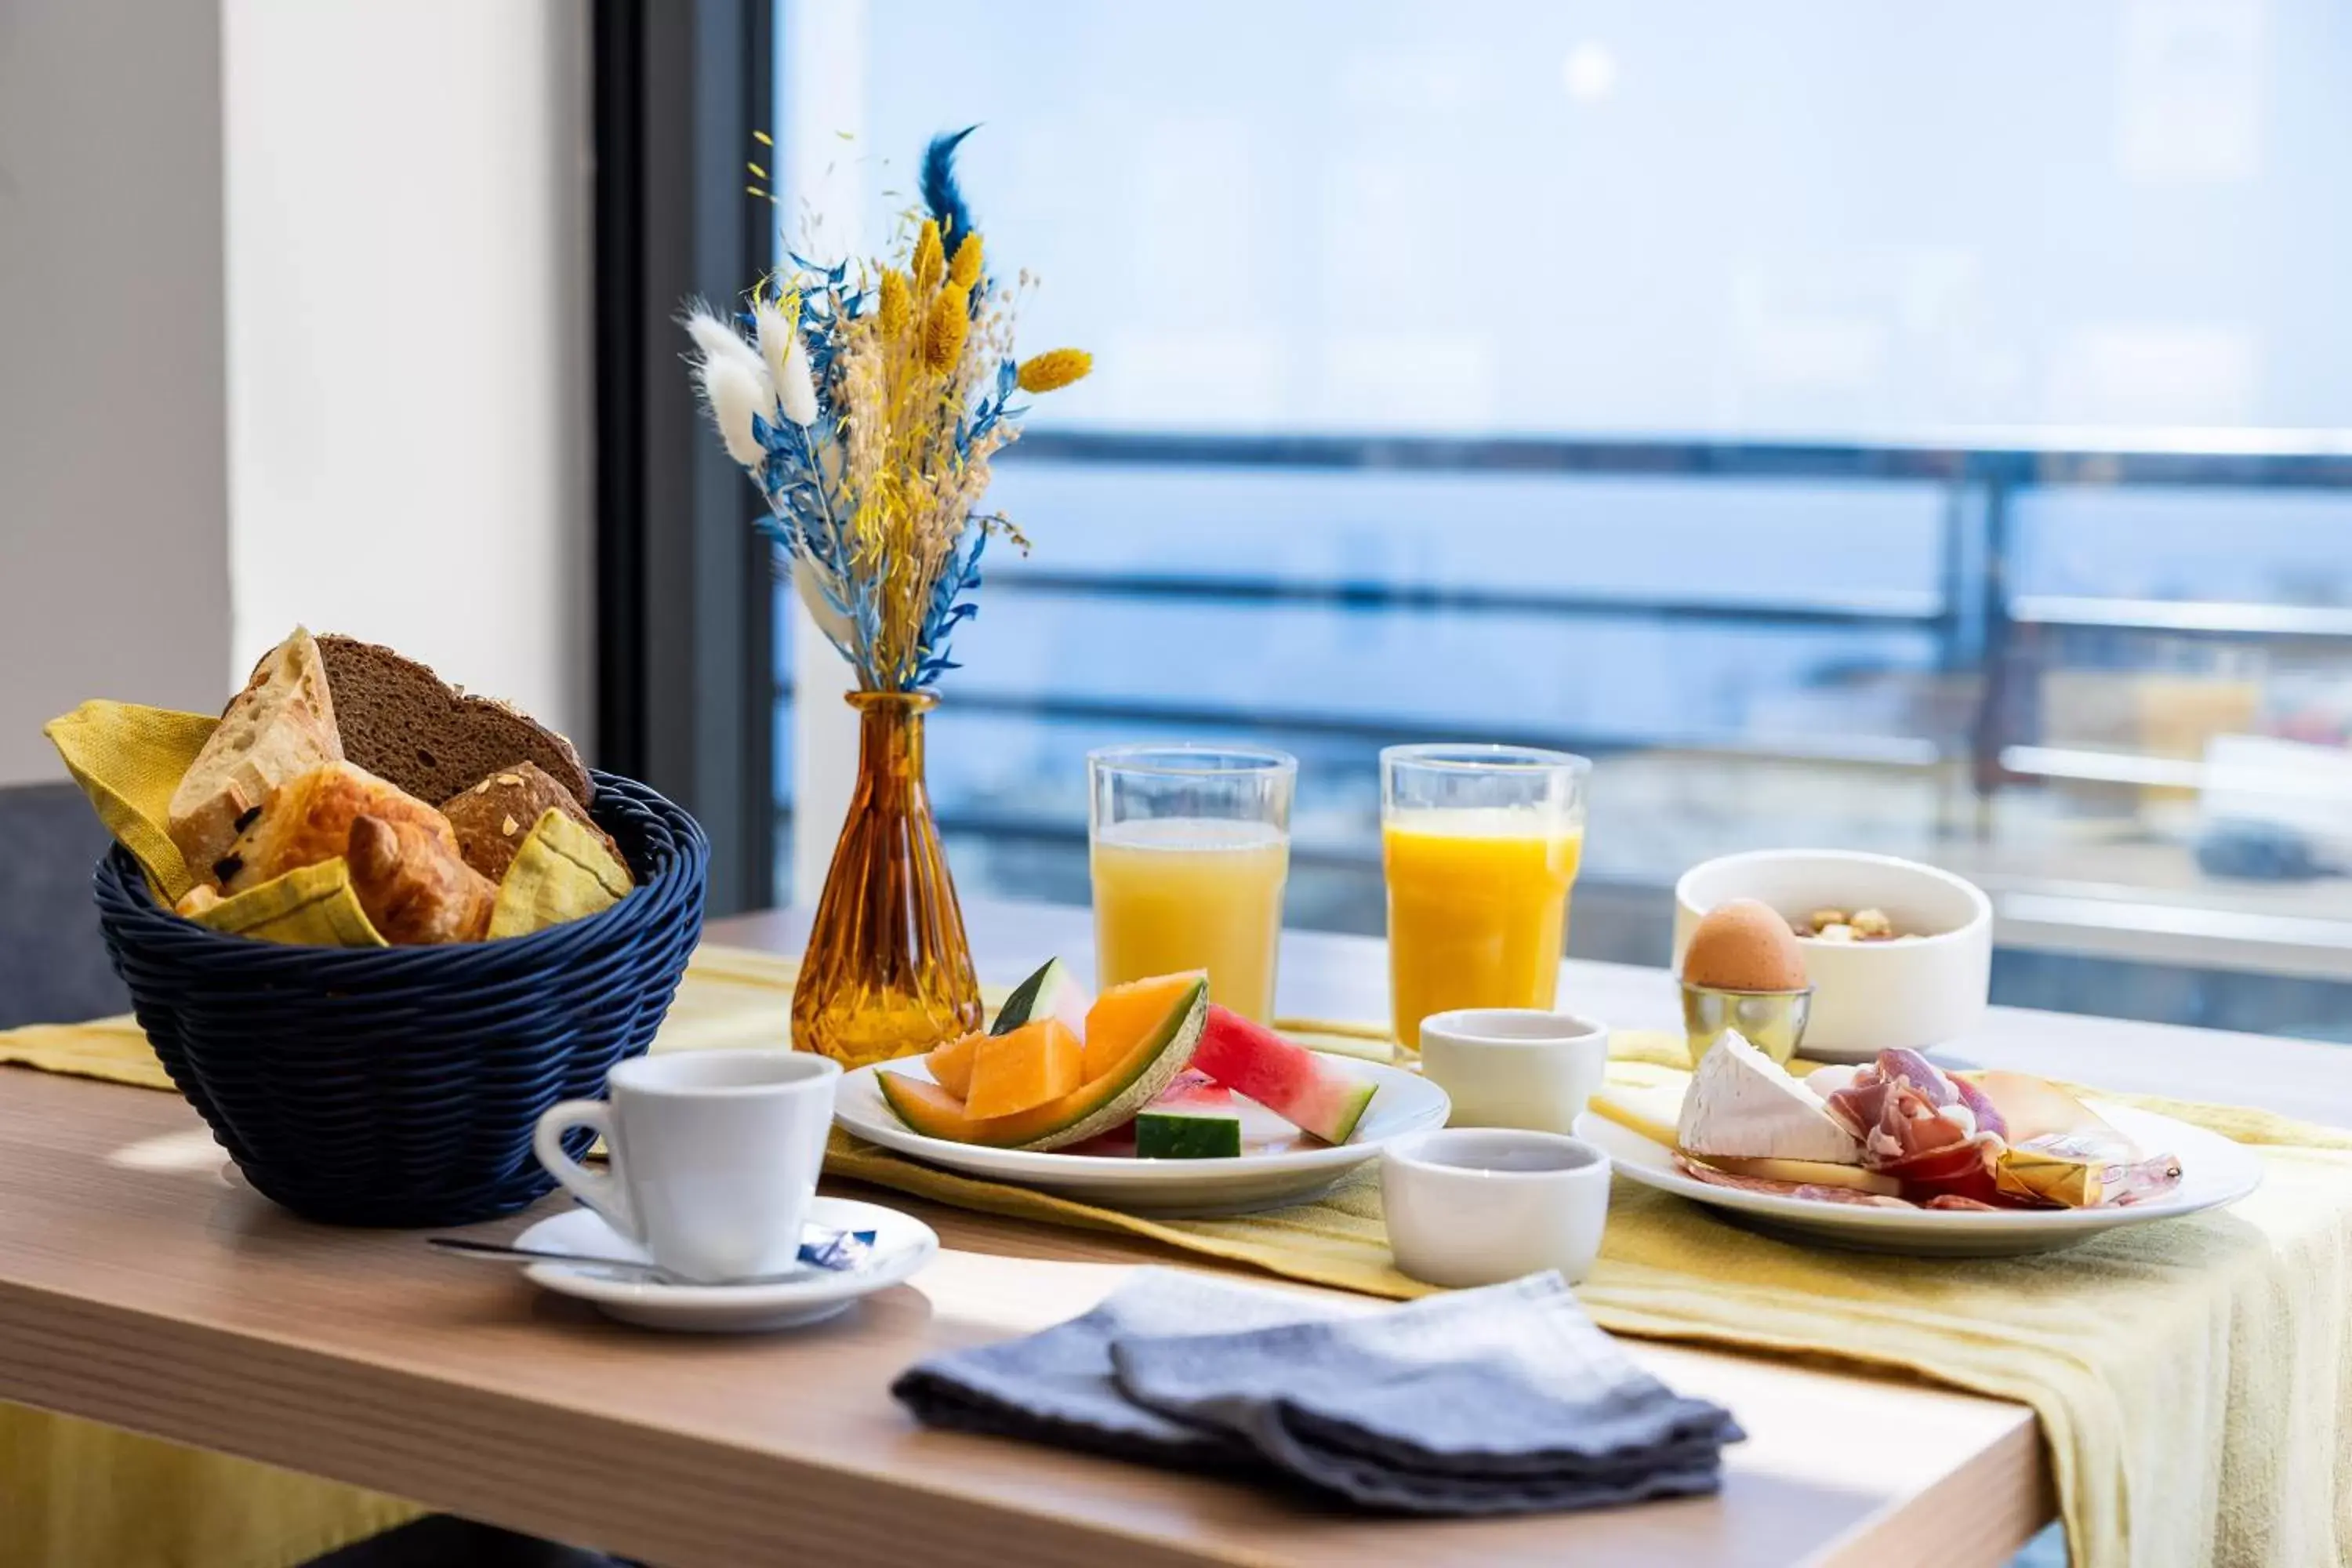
[1352,1106]
[1159,1068]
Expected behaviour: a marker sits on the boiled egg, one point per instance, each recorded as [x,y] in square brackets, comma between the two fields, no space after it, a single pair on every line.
[1743,944]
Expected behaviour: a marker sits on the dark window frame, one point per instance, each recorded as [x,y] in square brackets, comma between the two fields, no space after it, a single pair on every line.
[685,612]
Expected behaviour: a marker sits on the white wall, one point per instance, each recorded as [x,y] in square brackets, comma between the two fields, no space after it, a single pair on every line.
[410,363]
[113,511]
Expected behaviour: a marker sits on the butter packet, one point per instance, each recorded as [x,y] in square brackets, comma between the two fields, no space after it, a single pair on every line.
[561,872]
[312,906]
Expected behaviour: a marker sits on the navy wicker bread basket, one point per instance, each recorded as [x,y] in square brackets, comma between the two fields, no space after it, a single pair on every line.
[400,1086]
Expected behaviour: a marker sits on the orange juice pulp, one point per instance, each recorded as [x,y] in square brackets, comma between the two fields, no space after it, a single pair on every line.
[1478,910]
[1177,893]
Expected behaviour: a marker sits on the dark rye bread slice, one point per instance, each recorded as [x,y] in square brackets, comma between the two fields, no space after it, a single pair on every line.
[402,722]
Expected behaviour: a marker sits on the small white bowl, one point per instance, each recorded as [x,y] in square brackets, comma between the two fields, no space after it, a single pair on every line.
[1477,1205]
[1868,996]
[1514,1067]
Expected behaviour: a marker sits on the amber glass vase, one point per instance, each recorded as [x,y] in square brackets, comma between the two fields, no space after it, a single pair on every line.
[888,969]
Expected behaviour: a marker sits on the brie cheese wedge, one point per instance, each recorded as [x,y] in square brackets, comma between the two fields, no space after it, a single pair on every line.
[1742,1104]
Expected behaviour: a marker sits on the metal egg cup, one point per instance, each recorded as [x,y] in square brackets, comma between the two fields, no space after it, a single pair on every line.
[1772,1021]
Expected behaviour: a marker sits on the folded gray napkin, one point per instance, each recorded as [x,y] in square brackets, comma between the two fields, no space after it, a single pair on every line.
[1496,1401]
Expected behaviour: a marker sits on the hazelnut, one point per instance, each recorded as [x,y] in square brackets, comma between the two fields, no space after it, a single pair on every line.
[1820,919]
[1869,923]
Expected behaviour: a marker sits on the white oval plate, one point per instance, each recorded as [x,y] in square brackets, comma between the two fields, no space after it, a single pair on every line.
[902,1244]
[2213,1171]
[1278,1165]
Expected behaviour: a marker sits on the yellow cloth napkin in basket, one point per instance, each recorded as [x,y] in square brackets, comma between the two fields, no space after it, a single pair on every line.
[2193,1378]
[560,872]
[311,905]
[128,759]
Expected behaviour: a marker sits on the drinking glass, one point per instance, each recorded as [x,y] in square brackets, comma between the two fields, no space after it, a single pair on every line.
[1480,846]
[1190,847]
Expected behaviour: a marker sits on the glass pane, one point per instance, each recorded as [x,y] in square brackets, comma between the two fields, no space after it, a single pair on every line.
[1833,418]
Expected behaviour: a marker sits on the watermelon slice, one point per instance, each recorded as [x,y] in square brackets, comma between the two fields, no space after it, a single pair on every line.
[1310,1093]
[1193,1119]
[1053,992]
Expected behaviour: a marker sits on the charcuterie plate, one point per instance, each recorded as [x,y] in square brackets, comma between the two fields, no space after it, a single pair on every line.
[2214,1172]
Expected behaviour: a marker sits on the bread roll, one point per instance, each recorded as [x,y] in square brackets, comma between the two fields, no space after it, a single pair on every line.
[308,819]
[281,726]
[412,884]
[496,814]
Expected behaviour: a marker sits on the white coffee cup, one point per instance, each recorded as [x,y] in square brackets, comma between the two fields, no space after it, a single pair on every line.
[713,1155]
[1477,1205]
[1514,1067]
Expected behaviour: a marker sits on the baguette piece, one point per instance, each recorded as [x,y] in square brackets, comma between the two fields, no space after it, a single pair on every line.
[412,884]
[281,726]
[496,814]
[403,722]
[308,819]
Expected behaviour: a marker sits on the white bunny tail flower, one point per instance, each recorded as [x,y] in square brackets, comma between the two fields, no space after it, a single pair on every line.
[717,340]
[795,385]
[734,391]
[773,329]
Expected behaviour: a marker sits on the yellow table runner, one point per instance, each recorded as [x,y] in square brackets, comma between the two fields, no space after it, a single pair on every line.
[2193,1378]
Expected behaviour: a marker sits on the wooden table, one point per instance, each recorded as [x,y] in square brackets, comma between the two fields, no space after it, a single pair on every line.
[143,1286]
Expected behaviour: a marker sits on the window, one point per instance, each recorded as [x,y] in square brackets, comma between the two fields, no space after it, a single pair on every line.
[1917,431]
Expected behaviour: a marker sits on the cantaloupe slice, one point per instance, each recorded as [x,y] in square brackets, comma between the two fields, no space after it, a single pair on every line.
[1022,1070]
[1157,1050]
[951,1064]
[1121,1015]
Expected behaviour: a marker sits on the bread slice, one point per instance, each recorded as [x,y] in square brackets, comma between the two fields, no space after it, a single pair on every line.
[403,722]
[281,726]
[496,814]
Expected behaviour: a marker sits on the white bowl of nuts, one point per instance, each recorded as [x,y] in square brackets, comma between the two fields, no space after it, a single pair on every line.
[1899,954]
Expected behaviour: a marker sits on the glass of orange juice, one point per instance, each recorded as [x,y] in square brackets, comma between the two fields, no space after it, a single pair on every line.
[1480,845]
[1189,848]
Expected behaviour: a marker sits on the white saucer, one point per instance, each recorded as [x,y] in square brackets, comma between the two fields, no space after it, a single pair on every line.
[902,1244]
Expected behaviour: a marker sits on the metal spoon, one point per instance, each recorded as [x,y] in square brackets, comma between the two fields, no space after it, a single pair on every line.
[465,1247]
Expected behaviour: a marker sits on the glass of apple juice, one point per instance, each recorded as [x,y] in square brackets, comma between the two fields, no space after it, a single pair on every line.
[1189,848]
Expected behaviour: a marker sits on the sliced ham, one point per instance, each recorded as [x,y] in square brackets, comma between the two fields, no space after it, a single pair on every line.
[1920,1125]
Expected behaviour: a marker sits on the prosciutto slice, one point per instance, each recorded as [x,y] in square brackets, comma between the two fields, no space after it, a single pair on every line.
[1920,1125]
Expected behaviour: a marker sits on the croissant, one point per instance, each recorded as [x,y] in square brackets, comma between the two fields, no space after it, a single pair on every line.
[412,884]
[307,819]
